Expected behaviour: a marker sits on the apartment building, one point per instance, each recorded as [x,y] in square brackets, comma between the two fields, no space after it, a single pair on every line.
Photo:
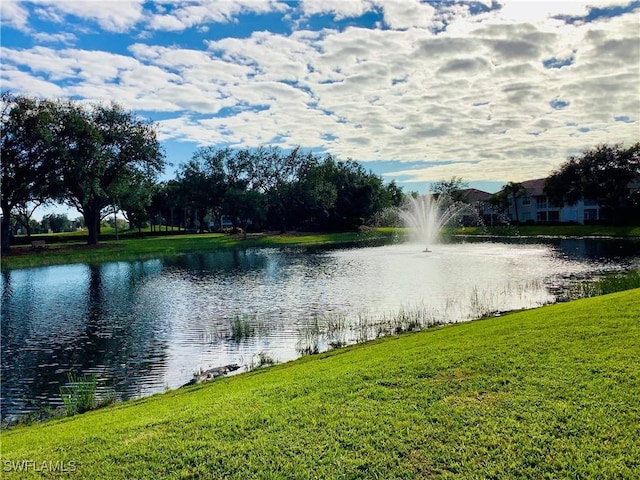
[533,206]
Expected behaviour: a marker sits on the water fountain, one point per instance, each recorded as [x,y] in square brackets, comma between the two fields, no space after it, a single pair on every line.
[427,214]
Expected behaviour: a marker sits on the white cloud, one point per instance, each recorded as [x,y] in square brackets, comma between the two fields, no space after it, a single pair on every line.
[540,10]
[14,15]
[475,99]
[340,9]
[188,14]
[64,37]
[404,14]
[22,82]
[110,15]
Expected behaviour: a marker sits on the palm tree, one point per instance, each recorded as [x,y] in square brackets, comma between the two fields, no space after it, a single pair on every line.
[514,190]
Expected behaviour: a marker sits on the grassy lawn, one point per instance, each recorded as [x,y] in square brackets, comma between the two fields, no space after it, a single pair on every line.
[554,230]
[546,393]
[131,248]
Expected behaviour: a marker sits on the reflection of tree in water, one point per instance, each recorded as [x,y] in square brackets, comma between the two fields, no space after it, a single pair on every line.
[224,261]
[119,342]
[25,365]
[614,249]
[111,338]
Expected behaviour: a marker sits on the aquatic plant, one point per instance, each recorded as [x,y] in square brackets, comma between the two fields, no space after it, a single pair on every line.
[79,394]
[610,283]
[241,328]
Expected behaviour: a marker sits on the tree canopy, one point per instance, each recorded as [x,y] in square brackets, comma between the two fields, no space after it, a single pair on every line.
[102,159]
[514,190]
[100,147]
[603,174]
[28,155]
[452,188]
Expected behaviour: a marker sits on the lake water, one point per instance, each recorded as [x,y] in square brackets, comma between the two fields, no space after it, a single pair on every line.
[147,326]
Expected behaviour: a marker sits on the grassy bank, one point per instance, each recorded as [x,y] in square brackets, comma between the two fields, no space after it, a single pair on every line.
[546,393]
[131,248]
[553,231]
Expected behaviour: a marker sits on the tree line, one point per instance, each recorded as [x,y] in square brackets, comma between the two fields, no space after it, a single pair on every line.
[100,158]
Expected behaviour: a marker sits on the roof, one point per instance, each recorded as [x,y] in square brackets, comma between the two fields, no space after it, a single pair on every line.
[534,187]
[473,195]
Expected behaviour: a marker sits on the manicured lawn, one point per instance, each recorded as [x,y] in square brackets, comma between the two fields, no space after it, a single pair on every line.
[546,393]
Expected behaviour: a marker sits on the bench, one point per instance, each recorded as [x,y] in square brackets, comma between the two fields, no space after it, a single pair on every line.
[38,244]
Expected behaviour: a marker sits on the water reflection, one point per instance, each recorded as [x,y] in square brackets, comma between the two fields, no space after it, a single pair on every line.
[82,319]
[145,326]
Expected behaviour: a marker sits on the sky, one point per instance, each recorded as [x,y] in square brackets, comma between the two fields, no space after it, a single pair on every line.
[489,91]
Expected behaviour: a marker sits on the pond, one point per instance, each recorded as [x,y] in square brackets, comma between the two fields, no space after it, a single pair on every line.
[144,327]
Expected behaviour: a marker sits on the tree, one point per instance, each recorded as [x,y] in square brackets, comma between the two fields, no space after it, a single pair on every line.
[602,174]
[166,201]
[514,190]
[133,196]
[277,176]
[394,194]
[452,188]
[244,206]
[56,223]
[360,194]
[98,147]
[202,181]
[28,156]
[315,194]
[25,210]
[499,201]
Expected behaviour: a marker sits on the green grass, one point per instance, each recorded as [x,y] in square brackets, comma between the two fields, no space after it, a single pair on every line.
[554,230]
[546,393]
[72,248]
[130,248]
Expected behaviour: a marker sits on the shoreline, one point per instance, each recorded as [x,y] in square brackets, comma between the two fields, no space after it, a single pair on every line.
[132,248]
[505,386]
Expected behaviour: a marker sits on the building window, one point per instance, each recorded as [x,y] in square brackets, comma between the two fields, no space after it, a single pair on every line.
[541,217]
[591,214]
[526,201]
[554,216]
[541,201]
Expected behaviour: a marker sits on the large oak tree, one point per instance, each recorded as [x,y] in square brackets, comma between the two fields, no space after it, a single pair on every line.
[100,146]
[28,156]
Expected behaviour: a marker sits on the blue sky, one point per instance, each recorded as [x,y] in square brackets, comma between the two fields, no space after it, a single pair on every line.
[490,91]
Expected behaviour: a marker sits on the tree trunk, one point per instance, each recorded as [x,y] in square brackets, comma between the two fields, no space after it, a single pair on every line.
[6,230]
[201,214]
[92,221]
[283,224]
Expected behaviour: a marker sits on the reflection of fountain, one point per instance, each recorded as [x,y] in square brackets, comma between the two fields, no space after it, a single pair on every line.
[426,215]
